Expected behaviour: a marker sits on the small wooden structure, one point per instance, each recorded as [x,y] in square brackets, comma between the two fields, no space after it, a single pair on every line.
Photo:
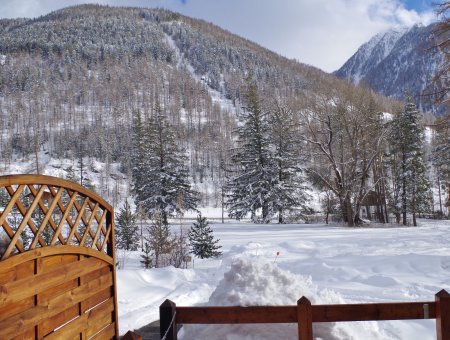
[373,199]
[304,314]
[57,261]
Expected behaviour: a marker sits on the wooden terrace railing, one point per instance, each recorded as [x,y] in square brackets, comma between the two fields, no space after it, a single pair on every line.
[305,314]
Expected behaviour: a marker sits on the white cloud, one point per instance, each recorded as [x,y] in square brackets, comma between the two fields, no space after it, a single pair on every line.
[323,33]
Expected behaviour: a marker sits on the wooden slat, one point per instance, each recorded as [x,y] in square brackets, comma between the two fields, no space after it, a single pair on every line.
[14,197]
[96,299]
[48,294]
[14,261]
[105,242]
[109,332]
[103,229]
[20,271]
[88,226]
[98,220]
[49,324]
[288,314]
[100,317]
[372,311]
[10,232]
[100,323]
[48,216]
[77,220]
[10,309]
[64,219]
[55,261]
[82,323]
[22,334]
[236,314]
[94,274]
[20,289]
[57,305]
[23,212]
[99,230]
[10,180]
[101,296]
[62,208]
[25,221]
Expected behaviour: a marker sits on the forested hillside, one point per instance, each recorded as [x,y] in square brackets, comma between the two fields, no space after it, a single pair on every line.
[82,82]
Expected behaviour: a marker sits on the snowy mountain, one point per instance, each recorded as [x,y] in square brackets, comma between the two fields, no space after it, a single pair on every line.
[396,61]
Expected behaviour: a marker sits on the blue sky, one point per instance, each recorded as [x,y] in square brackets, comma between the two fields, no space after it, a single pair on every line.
[322,33]
[419,5]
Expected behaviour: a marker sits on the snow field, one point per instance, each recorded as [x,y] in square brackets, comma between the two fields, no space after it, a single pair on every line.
[327,264]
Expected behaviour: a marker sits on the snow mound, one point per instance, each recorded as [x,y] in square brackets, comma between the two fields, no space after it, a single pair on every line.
[253,281]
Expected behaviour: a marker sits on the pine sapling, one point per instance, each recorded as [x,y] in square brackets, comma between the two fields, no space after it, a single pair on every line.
[203,244]
[147,257]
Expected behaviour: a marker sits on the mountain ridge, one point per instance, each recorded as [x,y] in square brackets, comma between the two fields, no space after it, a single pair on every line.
[396,62]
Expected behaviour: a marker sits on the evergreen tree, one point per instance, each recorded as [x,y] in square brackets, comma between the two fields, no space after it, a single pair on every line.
[127,236]
[202,240]
[138,158]
[70,174]
[160,172]
[147,257]
[441,155]
[406,144]
[251,187]
[288,189]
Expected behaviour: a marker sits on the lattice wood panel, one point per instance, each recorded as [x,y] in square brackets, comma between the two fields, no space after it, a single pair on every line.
[57,268]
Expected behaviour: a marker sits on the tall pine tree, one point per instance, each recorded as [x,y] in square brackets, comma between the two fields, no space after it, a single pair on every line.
[289,191]
[251,187]
[160,172]
[406,152]
[139,158]
[441,156]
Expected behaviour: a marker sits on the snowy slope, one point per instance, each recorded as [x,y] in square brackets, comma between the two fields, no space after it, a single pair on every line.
[370,54]
[396,62]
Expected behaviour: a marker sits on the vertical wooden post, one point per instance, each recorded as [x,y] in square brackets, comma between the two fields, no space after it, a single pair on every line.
[304,319]
[168,325]
[442,315]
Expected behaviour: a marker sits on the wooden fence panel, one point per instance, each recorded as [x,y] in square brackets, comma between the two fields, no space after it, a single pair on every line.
[57,267]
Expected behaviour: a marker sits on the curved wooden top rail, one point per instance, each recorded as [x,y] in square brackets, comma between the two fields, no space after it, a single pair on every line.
[39,211]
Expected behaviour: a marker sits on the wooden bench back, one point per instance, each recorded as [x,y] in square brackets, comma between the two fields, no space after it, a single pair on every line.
[57,267]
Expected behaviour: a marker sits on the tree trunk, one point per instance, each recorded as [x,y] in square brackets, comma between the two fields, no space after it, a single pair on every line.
[404,201]
[348,212]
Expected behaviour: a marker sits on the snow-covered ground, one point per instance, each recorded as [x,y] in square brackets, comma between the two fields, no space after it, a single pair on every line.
[327,264]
